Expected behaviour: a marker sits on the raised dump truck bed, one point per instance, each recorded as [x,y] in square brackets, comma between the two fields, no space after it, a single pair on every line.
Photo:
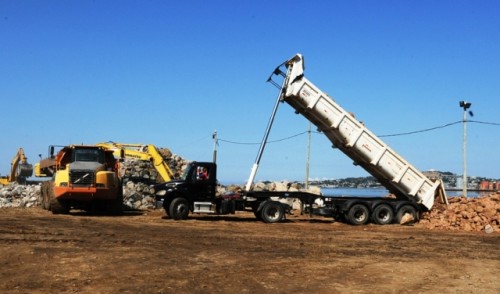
[355,140]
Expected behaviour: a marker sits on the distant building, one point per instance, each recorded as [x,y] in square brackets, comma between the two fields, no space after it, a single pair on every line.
[432,174]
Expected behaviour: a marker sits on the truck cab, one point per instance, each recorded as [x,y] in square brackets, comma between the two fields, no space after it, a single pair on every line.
[195,191]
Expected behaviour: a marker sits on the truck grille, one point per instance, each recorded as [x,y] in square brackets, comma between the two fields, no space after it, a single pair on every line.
[81,177]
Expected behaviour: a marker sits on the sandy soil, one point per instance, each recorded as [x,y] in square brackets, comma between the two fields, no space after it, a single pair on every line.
[143,252]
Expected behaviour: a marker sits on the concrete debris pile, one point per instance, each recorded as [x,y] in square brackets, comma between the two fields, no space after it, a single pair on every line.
[138,196]
[270,186]
[465,214]
[15,195]
[139,176]
[144,171]
[273,186]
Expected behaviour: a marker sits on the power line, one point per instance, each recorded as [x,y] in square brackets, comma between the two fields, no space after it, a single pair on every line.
[274,141]
[421,131]
[484,123]
[440,127]
[381,136]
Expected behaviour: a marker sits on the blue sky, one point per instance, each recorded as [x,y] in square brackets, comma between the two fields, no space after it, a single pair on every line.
[170,73]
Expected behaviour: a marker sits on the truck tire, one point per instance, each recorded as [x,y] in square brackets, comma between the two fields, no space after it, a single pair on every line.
[55,205]
[272,212]
[406,209]
[383,214]
[45,203]
[58,207]
[115,206]
[179,208]
[358,214]
[257,213]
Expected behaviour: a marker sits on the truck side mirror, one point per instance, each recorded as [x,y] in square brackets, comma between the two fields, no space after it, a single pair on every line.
[52,151]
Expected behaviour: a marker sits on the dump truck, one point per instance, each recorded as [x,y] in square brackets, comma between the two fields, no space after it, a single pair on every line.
[82,177]
[20,169]
[413,191]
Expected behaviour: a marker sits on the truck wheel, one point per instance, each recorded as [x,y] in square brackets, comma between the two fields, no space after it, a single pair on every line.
[258,214]
[45,197]
[56,206]
[179,209]
[272,212]
[115,206]
[382,214]
[358,214]
[406,209]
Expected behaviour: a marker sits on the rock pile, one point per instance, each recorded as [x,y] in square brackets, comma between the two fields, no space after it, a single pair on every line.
[273,186]
[145,172]
[139,176]
[465,214]
[15,195]
[270,186]
[138,196]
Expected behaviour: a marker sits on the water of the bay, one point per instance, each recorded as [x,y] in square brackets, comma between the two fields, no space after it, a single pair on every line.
[381,192]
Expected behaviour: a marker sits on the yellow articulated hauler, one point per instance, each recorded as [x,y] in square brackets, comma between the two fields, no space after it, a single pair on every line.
[83,177]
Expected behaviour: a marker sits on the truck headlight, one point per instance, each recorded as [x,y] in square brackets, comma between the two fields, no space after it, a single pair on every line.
[161,192]
[63,184]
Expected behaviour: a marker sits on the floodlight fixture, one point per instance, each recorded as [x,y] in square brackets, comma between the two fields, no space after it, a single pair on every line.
[465,105]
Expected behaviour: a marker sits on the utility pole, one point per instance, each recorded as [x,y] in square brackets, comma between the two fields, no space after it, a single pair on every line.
[465,105]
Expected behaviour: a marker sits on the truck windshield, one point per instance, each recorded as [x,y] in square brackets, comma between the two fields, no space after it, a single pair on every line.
[89,155]
[185,174]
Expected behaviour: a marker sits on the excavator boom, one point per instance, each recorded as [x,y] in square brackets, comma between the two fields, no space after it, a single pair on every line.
[147,152]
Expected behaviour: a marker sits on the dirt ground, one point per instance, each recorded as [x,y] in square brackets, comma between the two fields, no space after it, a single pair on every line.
[142,252]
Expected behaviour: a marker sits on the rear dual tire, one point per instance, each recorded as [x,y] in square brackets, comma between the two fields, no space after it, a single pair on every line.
[382,215]
[406,209]
[358,214]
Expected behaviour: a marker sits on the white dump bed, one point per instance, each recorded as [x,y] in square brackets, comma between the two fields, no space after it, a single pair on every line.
[355,140]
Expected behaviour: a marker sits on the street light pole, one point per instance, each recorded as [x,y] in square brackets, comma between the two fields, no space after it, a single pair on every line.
[308,159]
[216,141]
[465,105]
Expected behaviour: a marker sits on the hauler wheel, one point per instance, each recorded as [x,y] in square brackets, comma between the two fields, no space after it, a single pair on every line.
[55,205]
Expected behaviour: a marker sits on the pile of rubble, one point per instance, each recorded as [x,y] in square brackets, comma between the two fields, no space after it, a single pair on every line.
[15,195]
[139,177]
[145,172]
[270,186]
[465,214]
[137,195]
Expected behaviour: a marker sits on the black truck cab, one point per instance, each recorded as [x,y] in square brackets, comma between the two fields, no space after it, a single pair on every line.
[195,191]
